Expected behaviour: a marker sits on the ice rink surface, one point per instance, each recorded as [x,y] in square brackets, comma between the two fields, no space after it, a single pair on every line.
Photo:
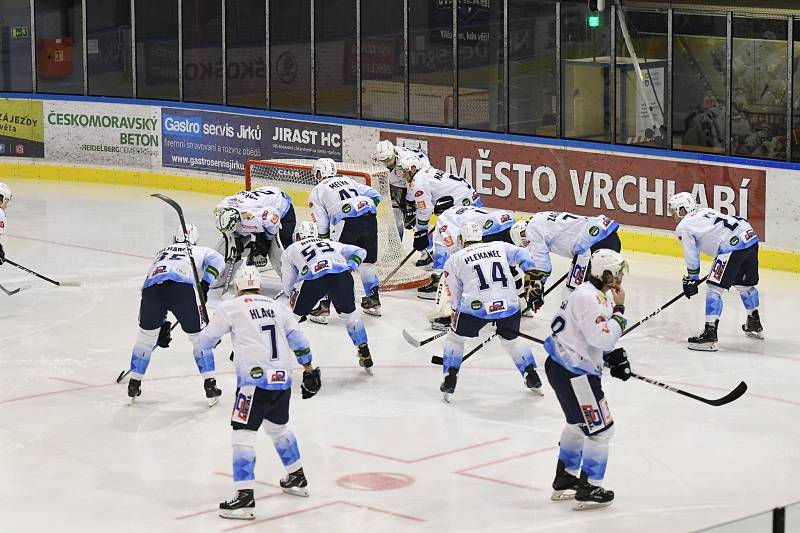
[382,453]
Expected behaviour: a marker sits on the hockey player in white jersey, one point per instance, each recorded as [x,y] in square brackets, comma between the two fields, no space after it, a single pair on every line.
[387,155]
[482,292]
[170,286]
[5,198]
[316,268]
[263,225]
[346,211]
[733,244]
[567,235]
[263,197]
[267,342]
[584,333]
[426,187]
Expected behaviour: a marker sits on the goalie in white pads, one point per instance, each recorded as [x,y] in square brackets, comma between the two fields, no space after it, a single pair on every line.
[345,211]
[567,235]
[170,286]
[387,155]
[584,333]
[482,292]
[733,244]
[263,197]
[316,268]
[426,187]
[263,225]
[5,198]
[267,341]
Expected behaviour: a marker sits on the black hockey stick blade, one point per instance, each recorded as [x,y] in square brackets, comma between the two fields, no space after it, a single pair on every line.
[398,267]
[10,292]
[733,395]
[54,282]
[417,343]
[122,375]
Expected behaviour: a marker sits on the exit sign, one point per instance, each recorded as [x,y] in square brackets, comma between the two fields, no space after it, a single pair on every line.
[19,32]
[593,21]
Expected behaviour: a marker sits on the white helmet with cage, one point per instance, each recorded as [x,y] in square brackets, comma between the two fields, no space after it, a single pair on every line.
[247,278]
[191,234]
[324,168]
[682,200]
[411,160]
[228,219]
[384,153]
[305,230]
[517,232]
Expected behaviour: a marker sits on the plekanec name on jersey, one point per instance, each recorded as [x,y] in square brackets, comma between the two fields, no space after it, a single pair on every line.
[481,255]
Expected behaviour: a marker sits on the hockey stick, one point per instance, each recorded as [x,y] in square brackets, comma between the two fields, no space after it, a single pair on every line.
[54,282]
[657,311]
[177,208]
[735,394]
[126,372]
[437,360]
[398,267]
[10,292]
[417,343]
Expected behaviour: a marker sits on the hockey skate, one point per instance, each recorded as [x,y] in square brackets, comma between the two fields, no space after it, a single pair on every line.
[564,485]
[365,358]
[134,389]
[295,483]
[448,386]
[212,392]
[532,380]
[752,328]
[240,507]
[372,304]
[706,341]
[442,323]
[588,496]
[425,260]
[321,313]
[428,292]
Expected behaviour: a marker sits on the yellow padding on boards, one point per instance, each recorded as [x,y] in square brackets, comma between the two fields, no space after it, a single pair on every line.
[631,240]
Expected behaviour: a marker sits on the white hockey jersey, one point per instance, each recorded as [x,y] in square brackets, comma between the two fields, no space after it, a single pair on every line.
[450,222]
[313,258]
[266,220]
[584,329]
[712,233]
[267,196]
[173,264]
[266,339]
[336,198]
[480,280]
[564,234]
[2,221]
[396,175]
[430,185]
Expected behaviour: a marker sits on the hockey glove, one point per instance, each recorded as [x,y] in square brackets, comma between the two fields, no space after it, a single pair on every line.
[164,336]
[690,286]
[204,286]
[420,240]
[536,295]
[2,255]
[410,215]
[617,361]
[312,382]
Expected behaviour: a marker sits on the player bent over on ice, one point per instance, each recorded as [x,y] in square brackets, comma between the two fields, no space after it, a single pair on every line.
[482,291]
[265,338]
[585,330]
[733,244]
[317,268]
[170,286]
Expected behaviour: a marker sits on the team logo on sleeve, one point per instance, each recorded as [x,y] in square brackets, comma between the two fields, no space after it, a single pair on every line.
[418,193]
[304,271]
[476,305]
[488,224]
[257,372]
[594,231]
[441,230]
[346,208]
[734,240]
[361,204]
[466,201]
[505,217]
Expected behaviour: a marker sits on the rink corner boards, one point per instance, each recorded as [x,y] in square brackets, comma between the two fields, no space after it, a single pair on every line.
[639,241]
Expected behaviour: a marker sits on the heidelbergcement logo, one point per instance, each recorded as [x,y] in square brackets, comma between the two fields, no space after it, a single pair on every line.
[182,126]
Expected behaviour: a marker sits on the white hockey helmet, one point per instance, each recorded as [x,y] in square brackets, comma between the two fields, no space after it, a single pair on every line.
[410,160]
[682,200]
[518,233]
[605,260]
[5,193]
[470,233]
[305,230]
[326,167]
[191,233]
[384,153]
[228,219]
[247,278]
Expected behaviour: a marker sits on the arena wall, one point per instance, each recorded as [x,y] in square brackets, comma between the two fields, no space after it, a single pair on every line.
[165,145]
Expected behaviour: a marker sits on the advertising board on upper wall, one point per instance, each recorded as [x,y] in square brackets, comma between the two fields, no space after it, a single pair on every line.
[633,190]
[21,128]
[223,142]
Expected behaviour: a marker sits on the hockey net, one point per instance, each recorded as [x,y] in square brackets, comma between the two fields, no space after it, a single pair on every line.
[294,177]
